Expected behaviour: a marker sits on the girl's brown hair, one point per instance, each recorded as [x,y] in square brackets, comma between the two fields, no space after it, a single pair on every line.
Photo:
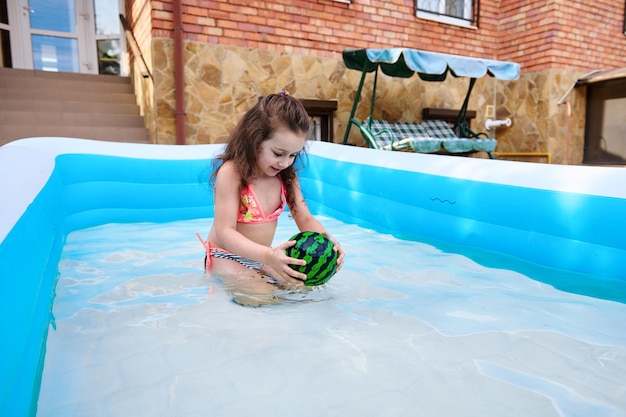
[255,127]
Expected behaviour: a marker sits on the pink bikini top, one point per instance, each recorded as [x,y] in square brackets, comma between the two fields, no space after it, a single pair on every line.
[250,210]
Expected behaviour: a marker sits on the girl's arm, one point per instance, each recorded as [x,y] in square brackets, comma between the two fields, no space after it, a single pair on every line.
[307,222]
[227,196]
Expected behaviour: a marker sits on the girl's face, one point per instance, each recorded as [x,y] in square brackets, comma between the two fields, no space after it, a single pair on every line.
[279,151]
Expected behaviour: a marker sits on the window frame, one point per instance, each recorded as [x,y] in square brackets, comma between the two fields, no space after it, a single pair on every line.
[440,16]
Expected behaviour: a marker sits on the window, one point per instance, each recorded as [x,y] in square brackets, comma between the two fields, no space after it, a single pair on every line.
[322,114]
[108,33]
[5,40]
[454,12]
[604,131]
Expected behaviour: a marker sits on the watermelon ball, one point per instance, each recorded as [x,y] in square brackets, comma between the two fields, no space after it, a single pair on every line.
[317,250]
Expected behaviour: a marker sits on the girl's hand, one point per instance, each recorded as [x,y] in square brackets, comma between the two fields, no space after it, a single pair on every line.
[337,248]
[278,261]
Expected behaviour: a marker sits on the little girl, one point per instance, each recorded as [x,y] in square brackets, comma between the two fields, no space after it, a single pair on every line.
[252,186]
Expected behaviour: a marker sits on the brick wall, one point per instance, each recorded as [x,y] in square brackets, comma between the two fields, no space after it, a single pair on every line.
[577,35]
[138,14]
[563,34]
[322,27]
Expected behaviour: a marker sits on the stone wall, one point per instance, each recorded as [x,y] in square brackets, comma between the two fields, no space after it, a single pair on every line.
[540,123]
[222,82]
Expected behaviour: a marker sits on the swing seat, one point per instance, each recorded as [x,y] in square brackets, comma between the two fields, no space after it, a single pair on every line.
[429,136]
[453,144]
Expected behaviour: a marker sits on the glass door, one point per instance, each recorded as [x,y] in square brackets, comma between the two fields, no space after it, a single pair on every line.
[108,36]
[62,35]
[5,38]
[54,35]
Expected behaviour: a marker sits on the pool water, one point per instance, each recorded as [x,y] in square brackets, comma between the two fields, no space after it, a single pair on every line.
[404,329]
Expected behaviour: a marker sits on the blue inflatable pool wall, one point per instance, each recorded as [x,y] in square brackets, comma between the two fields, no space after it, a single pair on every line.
[568,219]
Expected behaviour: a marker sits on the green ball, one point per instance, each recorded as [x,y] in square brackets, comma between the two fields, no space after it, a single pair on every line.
[317,250]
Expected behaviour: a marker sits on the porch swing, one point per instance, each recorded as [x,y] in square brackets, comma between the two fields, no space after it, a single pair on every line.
[429,136]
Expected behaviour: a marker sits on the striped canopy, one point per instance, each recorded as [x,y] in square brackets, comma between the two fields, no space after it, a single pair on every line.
[430,66]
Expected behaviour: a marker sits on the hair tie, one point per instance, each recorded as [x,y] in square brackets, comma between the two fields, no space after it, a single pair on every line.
[284,93]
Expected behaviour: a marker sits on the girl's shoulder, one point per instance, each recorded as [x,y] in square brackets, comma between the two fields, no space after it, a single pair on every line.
[228,174]
[228,169]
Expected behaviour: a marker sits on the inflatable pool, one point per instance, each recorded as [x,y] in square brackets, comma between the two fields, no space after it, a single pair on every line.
[565,219]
